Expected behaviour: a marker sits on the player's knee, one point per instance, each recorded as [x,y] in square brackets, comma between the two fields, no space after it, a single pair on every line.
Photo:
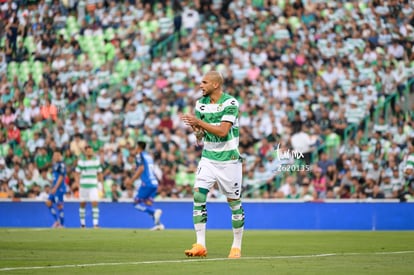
[200,195]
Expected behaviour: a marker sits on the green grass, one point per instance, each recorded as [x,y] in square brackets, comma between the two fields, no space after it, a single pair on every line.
[145,252]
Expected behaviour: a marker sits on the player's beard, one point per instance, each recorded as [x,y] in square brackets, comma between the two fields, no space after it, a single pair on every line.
[206,93]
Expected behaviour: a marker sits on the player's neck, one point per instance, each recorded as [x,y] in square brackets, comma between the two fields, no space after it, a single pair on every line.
[214,98]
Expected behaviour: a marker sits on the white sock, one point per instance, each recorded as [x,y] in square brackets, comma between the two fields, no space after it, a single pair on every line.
[200,229]
[237,237]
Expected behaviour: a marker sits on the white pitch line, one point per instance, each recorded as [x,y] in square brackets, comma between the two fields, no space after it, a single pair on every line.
[28,229]
[200,260]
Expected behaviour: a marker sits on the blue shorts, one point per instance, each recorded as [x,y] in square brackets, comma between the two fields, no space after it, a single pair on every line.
[146,193]
[56,198]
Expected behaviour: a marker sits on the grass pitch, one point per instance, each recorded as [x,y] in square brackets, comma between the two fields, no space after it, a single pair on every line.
[108,251]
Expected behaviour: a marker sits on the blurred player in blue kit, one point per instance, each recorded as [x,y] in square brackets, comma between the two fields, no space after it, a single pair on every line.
[149,185]
[57,193]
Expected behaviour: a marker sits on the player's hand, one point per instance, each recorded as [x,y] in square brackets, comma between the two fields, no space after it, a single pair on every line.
[53,191]
[190,120]
[198,132]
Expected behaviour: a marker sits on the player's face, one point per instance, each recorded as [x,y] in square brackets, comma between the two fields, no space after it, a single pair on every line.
[57,156]
[89,152]
[207,86]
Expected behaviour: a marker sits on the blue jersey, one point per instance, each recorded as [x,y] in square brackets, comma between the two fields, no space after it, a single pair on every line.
[148,176]
[59,169]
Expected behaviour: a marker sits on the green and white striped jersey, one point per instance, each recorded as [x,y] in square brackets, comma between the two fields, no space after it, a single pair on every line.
[409,164]
[89,169]
[219,149]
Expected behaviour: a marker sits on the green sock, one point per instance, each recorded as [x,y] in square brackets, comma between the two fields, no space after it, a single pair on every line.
[237,214]
[199,208]
[82,216]
[200,215]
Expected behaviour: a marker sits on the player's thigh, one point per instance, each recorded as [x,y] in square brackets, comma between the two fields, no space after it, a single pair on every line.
[148,191]
[84,194]
[51,199]
[94,194]
[229,179]
[205,175]
[154,191]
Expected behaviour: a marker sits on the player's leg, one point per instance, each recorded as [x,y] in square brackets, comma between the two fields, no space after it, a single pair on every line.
[60,208]
[205,179]
[82,205]
[157,212]
[94,198]
[143,200]
[50,204]
[230,181]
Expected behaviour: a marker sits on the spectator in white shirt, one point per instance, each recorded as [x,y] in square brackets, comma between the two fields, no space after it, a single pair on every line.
[61,137]
[396,50]
[104,100]
[135,115]
[190,19]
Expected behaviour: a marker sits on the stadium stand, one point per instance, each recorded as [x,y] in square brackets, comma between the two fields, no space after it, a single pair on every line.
[331,79]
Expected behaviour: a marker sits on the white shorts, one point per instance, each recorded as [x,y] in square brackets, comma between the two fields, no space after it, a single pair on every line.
[228,177]
[88,194]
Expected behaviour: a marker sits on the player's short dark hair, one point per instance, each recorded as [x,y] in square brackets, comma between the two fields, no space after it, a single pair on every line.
[142,144]
[58,150]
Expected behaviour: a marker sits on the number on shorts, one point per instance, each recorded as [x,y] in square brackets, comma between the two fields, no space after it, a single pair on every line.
[198,170]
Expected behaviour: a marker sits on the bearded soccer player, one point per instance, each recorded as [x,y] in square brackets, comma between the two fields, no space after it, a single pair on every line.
[216,122]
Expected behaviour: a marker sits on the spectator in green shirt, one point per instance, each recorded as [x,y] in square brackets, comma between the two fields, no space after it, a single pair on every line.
[42,159]
[95,143]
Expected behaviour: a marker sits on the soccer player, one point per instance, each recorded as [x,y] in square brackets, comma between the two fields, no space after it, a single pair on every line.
[409,170]
[58,190]
[216,121]
[88,176]
[149,185]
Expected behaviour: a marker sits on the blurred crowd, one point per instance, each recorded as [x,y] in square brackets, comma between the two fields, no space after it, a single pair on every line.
[110,73]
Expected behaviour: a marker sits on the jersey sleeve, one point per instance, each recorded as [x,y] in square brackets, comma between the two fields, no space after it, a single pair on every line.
[100,169]
[138,160]
[410,162]
[197,111]
[77,169]
[231,111]
[62,169]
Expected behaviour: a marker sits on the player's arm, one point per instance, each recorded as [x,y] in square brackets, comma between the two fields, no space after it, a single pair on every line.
[59,180]
[221,130]
[218,130]
[198,131]
[101,178]
[138,173]
[76,175]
